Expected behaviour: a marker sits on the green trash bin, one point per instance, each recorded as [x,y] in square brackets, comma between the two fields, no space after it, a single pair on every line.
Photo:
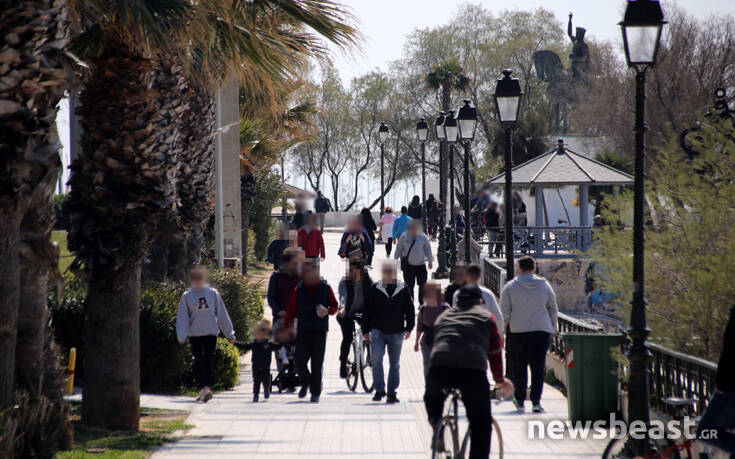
[592,375]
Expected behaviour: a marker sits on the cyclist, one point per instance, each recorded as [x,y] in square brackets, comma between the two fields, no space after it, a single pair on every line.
[465,339]
[352,291]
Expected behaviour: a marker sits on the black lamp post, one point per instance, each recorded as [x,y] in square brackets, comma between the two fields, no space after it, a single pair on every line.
[641,29]
[382,136]
[467,121]
[508,102]
[451,130]
[422,132]
[441,269]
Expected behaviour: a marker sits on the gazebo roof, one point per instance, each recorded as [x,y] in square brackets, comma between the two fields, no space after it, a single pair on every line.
[562,166]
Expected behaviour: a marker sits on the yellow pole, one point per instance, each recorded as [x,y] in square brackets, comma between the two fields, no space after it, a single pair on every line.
[70,371]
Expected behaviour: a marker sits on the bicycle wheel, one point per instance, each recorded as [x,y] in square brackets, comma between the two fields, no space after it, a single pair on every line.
[352,368]
[366,367]
[496,442]
[445,443]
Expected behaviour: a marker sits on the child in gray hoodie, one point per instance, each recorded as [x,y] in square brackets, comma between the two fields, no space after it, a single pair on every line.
[202,315]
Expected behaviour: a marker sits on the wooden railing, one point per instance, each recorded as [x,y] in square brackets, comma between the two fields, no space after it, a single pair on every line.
[673,374]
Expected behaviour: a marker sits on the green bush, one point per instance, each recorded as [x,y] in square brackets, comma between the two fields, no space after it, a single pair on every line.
[63,217]
[242,297]
[226,365]
[67,315]
[166,365]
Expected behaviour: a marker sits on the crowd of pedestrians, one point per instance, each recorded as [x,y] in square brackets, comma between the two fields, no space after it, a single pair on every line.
[457,330]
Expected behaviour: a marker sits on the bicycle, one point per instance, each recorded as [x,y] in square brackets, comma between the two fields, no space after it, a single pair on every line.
[446,432]
[359,362]
[681,448]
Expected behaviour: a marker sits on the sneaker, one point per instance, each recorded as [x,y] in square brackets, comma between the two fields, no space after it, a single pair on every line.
[303,391]
[267,394]
[314,398]
[519,405]
[343,370]
[378,396]
[255,398]
[537,408]
[392,399]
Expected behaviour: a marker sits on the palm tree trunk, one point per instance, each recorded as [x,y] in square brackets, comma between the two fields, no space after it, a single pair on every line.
[112,343]
[9,296]
[177,257]
[32,319]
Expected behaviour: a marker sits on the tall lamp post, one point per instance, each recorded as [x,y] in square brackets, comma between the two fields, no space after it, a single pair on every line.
[508,102]
[450,132]
[382,137]
[641,27]
[441,270]
[467,121]
[422,132]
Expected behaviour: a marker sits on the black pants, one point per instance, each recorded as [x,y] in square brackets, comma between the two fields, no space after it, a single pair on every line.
[311,346]
[413,275]
[524,350]
[347,325]
[203,349]
[388,247]
[371,235]
[261,376]
[475,390]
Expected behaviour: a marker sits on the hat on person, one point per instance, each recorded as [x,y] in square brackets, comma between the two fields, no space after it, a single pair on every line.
[468,296]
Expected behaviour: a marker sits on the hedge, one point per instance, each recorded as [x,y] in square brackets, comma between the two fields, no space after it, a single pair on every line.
[166,365]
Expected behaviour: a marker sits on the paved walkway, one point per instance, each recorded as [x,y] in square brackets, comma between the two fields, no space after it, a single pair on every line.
[346,423]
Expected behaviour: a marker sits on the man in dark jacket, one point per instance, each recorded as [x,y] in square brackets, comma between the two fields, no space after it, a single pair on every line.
[465,339]
[720,413]
[311,303]
[414,208]
[282,284]
[321,207]
[389,321]
[460,279]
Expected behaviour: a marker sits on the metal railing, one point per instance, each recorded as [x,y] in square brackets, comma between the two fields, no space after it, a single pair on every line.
[673,374]
[558,241]
[568,324]
[494,275]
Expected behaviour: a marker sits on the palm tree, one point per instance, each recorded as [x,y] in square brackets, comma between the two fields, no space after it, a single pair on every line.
[123,182]
[35,72]
[445,79]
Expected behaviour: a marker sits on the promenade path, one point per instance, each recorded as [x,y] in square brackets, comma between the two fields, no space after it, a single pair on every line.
[348,423]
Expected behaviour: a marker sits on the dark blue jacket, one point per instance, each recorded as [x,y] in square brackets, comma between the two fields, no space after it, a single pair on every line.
[261,352]
[309,321]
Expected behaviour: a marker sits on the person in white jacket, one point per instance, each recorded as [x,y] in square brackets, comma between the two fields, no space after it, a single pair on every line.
[202,315]
[529,306]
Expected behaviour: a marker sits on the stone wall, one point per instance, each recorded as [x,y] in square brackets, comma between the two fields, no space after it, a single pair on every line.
[568,278]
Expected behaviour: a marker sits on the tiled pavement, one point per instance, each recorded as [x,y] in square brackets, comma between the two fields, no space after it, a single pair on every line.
[346,423]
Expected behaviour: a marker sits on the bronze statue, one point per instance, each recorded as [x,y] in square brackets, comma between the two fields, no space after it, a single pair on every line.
[580,55]
[549,68]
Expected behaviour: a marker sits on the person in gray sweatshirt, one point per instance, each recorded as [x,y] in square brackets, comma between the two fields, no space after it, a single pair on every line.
[202,315]
[414,250]
[528,304]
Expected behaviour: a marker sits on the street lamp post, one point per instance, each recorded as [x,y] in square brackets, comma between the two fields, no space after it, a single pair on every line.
[641,27]
[382,136]
[422,132]
[441,270]
[450,132]
[508,102]
[467,121]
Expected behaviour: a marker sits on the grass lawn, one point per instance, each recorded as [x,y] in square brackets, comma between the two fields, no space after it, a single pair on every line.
[65,257]
[156,428]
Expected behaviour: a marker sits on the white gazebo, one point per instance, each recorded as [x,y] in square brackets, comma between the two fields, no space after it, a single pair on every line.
[563,167]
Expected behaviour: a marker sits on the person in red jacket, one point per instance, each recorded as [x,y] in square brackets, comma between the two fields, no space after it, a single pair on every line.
[310,238]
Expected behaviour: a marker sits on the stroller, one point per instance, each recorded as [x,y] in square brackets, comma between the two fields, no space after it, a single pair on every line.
[286,379]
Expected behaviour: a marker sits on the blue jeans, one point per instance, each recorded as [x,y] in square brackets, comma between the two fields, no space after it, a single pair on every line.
[378,342]
[719,417]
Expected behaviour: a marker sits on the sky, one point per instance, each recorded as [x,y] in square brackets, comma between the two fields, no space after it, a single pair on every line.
[386,23]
